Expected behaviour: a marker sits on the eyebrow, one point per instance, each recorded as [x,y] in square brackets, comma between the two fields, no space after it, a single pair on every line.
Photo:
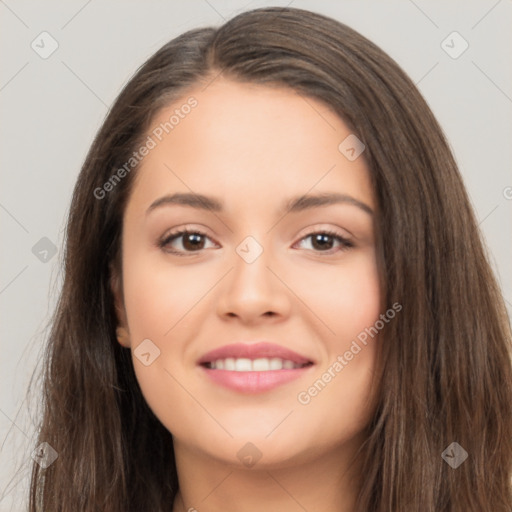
[293,205]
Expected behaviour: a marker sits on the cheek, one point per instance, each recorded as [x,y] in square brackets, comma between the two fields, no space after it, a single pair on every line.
[161,303]
[345,298]
[348,303]
[339,402]
[359,298]
[159,296]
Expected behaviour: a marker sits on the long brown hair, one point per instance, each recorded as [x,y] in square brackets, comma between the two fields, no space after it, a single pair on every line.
[444,369]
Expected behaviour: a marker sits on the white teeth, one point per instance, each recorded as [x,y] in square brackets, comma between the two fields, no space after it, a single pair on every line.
[263,364]
[229,364]
[243,365]
[276,363]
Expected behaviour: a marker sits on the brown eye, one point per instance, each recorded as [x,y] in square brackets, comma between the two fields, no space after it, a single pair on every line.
[191,241]
[323,241]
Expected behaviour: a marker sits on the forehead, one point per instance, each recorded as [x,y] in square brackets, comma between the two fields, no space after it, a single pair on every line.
[249,141]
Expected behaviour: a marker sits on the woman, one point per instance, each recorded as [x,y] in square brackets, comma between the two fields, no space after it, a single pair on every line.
[337,342]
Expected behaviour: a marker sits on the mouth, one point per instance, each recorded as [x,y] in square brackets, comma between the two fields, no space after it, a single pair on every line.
[255,367]
[262,364]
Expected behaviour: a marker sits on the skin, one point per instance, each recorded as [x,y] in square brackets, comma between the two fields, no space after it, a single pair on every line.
[254,147]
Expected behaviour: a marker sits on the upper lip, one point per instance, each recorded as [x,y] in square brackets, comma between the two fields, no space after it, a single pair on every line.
[253,350]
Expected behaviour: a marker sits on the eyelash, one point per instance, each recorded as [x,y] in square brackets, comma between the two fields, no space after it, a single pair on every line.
[166,240]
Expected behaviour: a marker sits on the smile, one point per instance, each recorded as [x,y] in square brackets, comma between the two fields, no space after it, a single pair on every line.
[253,367]
[263,364]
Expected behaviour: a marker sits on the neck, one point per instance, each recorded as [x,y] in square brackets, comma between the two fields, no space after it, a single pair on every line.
[328,483]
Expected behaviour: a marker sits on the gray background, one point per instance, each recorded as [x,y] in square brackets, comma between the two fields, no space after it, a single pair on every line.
[51,109]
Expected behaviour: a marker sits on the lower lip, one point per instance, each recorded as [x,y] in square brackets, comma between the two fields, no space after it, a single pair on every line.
[254,382]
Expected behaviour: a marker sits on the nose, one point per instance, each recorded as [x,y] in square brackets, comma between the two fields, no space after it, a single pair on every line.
[254,292]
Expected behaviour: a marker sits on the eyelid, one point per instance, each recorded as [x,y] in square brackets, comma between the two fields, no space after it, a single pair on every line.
[323,228]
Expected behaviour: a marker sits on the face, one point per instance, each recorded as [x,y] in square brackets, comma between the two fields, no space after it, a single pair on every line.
[262,277]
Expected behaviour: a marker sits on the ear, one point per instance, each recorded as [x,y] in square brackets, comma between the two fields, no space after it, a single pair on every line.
[122,332]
